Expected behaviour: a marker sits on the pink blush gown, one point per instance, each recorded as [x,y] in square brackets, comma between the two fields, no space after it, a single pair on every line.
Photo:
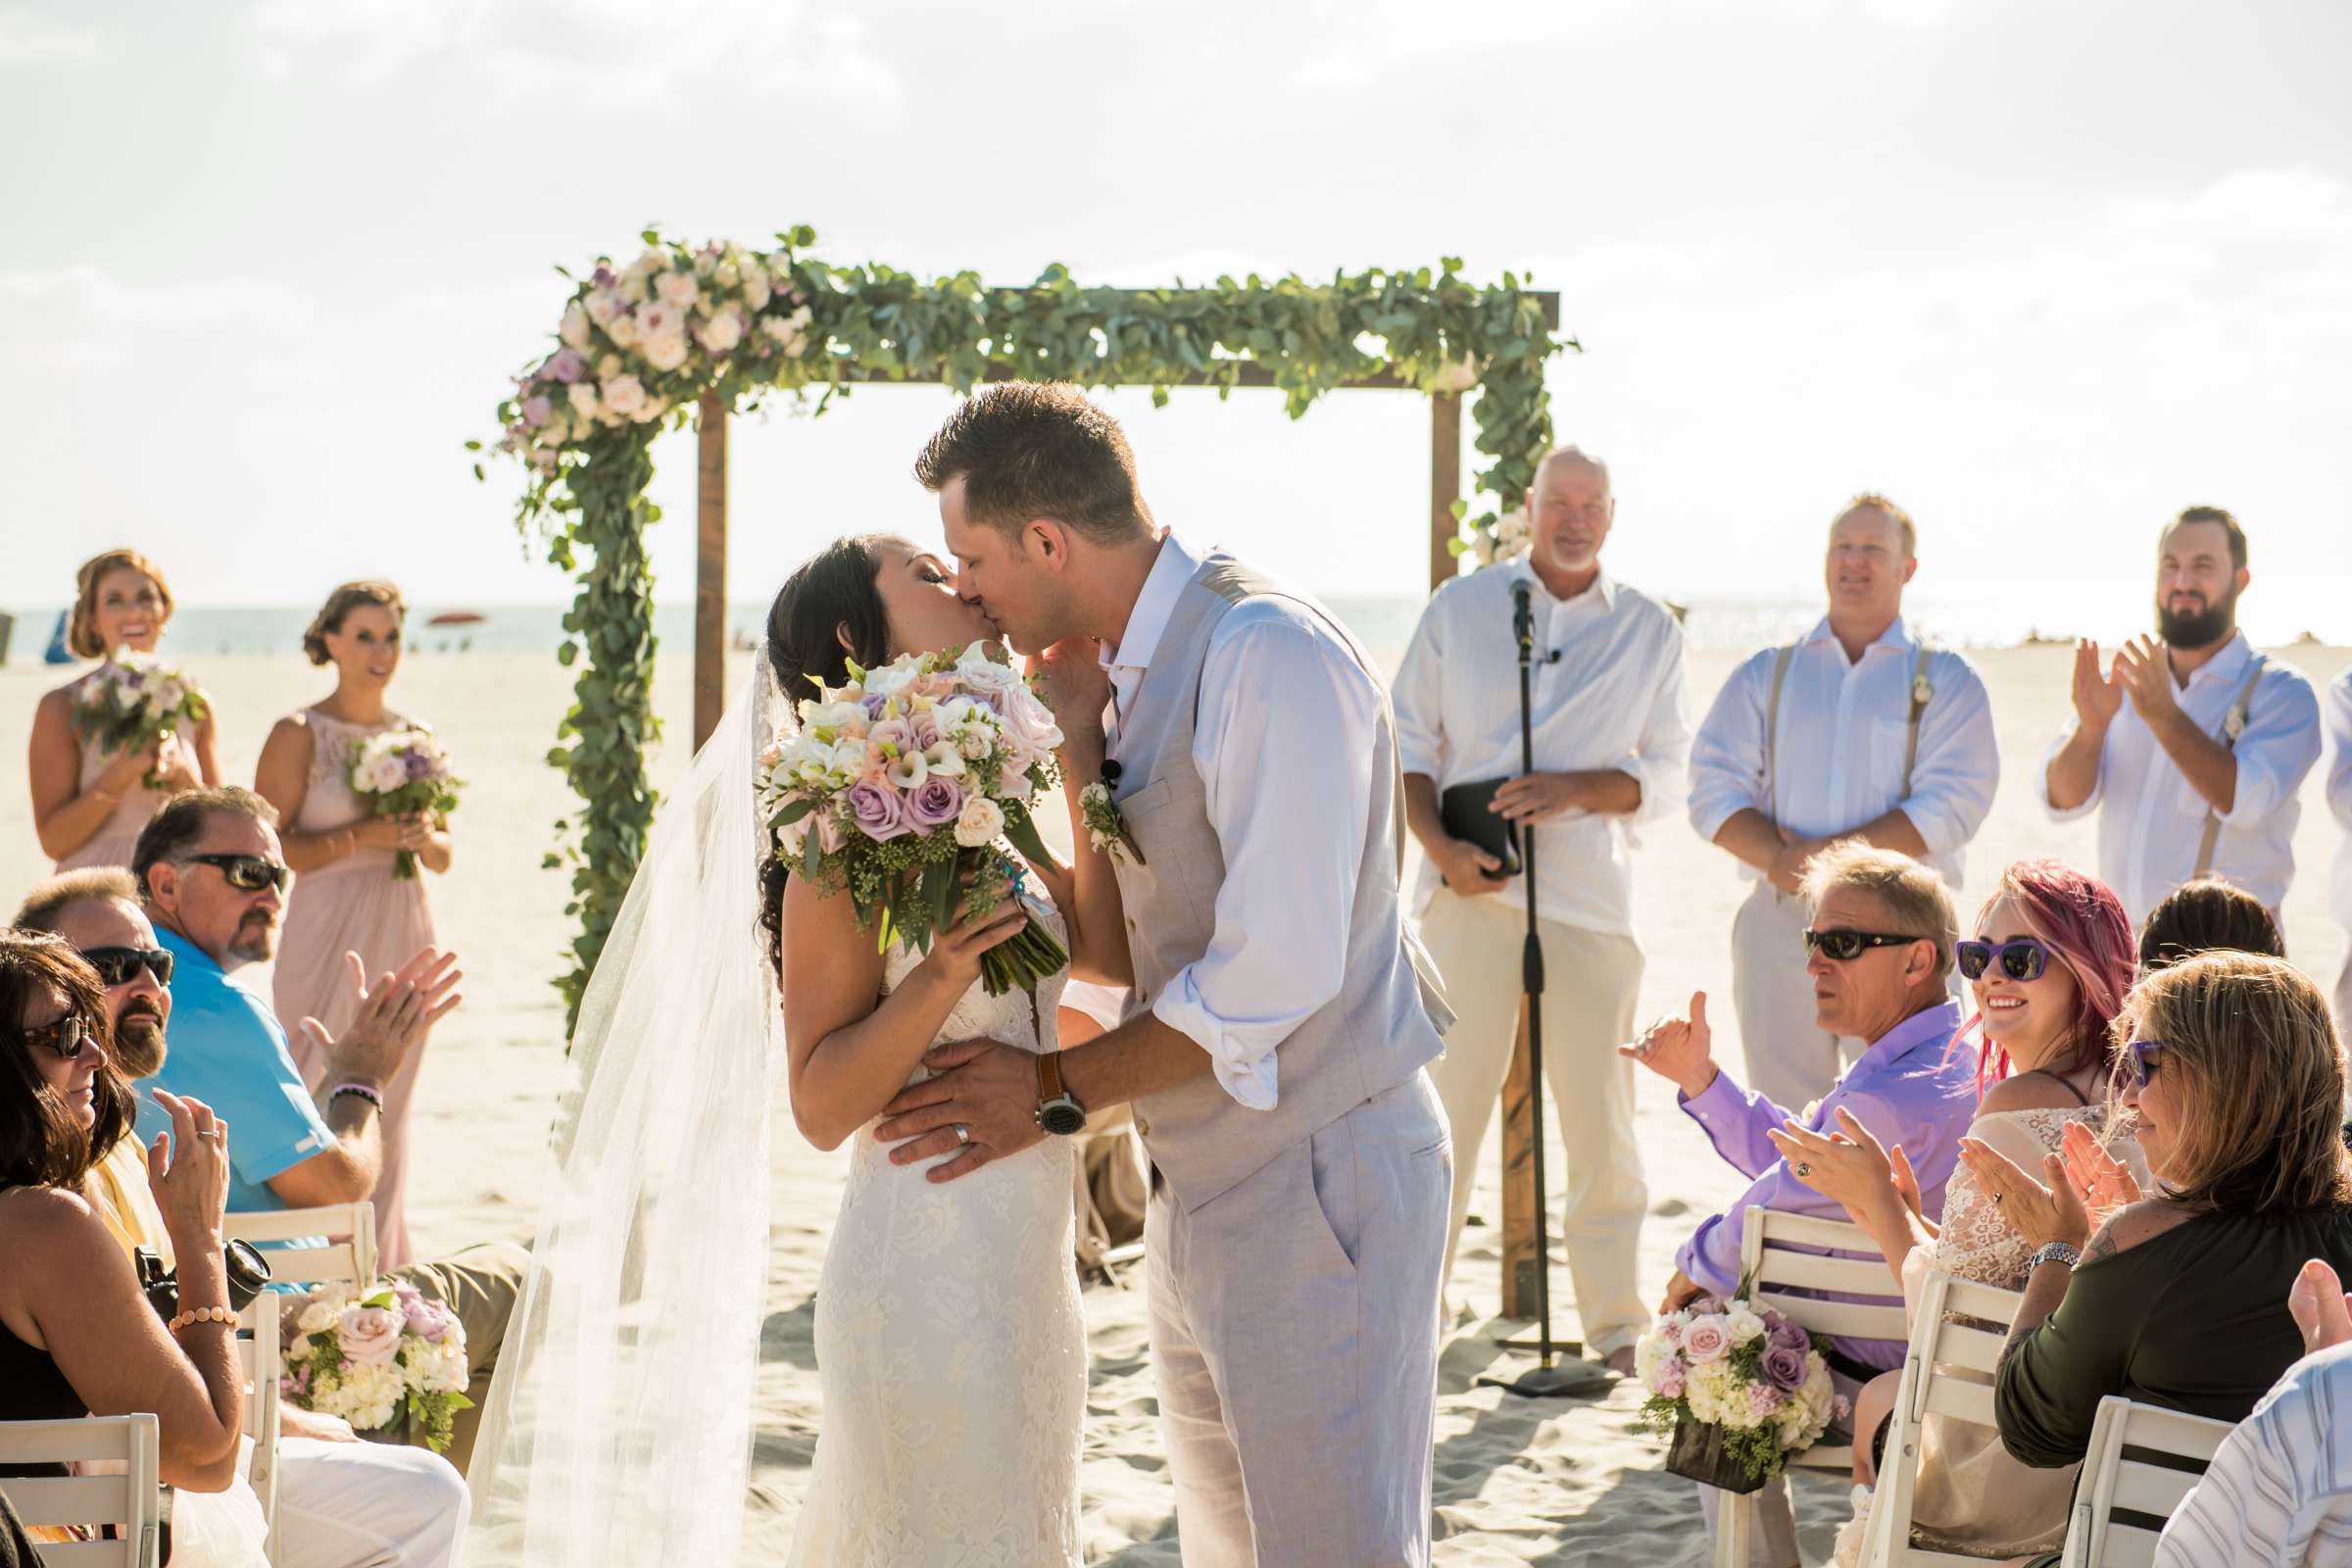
[353,906]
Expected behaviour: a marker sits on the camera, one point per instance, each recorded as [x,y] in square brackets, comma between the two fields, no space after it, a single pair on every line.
[248,1277]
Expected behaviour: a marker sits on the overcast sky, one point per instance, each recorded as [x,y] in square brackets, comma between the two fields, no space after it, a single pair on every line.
[2044,272]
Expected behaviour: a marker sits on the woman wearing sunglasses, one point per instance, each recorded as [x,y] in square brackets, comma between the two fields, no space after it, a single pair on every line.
[88,805]
[2234,1075]
[346,899]
[78,1335]
[2048,969]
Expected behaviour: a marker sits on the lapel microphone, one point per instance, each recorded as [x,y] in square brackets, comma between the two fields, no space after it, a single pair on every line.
[1110,772]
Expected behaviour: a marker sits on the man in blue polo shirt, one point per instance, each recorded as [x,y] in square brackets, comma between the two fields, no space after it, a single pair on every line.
[209,870]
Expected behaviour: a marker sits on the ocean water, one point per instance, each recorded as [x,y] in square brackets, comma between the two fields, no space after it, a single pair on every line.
[2319,606]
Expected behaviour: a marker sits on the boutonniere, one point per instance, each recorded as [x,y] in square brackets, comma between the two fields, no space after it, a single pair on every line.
[1921,691]
[1106,830]
[2234,722]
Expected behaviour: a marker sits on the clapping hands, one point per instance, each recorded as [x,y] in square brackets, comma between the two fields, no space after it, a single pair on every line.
[2041,1213]
[1850,1167]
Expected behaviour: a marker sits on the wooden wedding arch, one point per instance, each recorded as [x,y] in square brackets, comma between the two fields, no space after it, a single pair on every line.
[705,331]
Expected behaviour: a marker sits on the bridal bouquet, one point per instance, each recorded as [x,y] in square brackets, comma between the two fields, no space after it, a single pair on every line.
[899,783]
[1737,1387]
[375,1359]
[133,701]
[403,772]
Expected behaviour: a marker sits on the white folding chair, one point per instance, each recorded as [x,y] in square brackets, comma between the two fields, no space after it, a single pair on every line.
[1784,1249]
[131,1501]
[348,1258]
[1948,1372]
[2116,1483]
[258,1360]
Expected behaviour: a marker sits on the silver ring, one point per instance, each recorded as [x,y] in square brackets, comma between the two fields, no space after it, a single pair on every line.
[963,1134]
[1803,1169]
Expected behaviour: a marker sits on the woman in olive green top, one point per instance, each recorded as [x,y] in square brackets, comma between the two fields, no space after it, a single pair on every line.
[2234,1072]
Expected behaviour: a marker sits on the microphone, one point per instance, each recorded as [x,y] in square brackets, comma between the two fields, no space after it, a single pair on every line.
[1523,615]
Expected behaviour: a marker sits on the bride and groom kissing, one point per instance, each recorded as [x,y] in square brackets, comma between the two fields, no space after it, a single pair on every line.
[1272,1053]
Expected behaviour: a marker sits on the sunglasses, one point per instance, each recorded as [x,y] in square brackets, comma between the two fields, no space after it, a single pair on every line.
[2144,1062]
[247,873]
[1843,946]
[2022,959]
[69,1037]
[119,966]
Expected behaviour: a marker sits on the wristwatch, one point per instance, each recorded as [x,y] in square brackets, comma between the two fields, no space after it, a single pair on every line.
[2056,1252]
[1056,1112]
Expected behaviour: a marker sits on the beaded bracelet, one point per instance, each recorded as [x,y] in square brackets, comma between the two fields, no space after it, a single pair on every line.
[204,1314]
[366,1092]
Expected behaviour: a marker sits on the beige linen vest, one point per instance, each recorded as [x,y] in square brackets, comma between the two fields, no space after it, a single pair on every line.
[1385,1022]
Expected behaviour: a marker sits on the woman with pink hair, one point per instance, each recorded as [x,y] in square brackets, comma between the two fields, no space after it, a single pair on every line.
[2052,958]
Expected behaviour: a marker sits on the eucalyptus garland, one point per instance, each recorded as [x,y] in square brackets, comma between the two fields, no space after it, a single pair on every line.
[639,345]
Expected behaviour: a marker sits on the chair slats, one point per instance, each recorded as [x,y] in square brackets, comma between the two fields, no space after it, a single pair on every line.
[1960,1401]
[349,1259]
[1858,1276]
[2128,1547]
[131,1501]
[1945,1373]
[1804,1230]
[2151,1488]
[69,1499]
[1974,1349]
[1844,1320]
[2111,1481]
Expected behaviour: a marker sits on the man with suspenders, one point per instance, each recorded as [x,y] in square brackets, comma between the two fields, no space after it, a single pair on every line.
[2339,802]
[1859,730]
[2190,745]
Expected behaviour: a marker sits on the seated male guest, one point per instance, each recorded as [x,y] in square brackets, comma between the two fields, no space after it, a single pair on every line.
[342,1503]
[1879,951]
[210,875]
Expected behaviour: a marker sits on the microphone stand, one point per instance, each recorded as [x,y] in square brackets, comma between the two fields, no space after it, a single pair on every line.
[1575,1375]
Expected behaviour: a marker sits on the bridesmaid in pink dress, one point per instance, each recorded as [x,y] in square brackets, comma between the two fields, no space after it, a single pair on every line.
[345,898]
[89,805]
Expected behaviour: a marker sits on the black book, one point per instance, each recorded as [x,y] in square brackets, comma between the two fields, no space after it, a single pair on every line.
[1464,811]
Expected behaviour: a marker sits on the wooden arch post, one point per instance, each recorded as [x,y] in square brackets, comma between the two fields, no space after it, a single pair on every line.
[1519,1195]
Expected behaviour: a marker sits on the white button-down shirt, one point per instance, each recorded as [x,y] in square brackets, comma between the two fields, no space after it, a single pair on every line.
[2340,794]
[1615,698]
[2152,819]
[1837,760]
[2279,1493]
[1284,743]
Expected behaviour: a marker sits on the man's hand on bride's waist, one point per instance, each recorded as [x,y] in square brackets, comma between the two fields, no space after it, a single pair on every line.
[980,1107]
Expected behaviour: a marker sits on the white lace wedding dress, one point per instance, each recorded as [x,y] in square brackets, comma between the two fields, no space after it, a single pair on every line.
[951,1346]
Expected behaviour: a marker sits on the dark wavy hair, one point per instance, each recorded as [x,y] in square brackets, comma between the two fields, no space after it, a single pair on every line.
[42,1143]
[2211,914]
[828,612]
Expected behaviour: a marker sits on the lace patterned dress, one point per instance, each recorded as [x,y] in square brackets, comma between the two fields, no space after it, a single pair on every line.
[119,834]
[355,905]
[951,1346]
[1972,1499]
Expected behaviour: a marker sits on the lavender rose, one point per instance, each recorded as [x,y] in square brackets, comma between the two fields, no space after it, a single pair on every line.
[1784,1368]
[877,808]
[935,803]
[1788,1336]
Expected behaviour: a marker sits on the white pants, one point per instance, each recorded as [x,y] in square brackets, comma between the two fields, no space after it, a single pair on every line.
[1590,984]
[1791,1059]
[1293,1322]
[367,1505]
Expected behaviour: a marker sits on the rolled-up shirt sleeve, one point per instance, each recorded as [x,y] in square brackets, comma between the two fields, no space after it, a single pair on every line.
[2278,748]
[2041,782]
[1661,765]
[1420,697]
[1286,740]
[1959,762]
[1727,755]
[2340,768]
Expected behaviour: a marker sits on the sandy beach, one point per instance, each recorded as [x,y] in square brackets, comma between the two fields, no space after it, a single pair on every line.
[1560,1483]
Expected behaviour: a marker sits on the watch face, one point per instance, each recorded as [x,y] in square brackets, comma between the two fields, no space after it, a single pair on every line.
[1060,1117]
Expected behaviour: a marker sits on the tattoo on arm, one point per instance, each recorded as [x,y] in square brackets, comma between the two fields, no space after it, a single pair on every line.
[2100,1245]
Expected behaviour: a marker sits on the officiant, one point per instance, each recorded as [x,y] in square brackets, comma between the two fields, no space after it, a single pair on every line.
[1611,725]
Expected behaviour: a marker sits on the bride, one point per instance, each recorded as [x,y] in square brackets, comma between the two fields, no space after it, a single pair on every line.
[950,1344]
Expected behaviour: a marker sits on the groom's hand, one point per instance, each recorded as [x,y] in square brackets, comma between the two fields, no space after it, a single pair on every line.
[988,1088]
[1077,686]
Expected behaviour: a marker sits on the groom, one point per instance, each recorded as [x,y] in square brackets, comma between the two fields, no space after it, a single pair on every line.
[1300,1159]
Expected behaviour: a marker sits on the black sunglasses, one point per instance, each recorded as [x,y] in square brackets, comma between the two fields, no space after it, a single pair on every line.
[69,1037]
[119,966]
[2021,961]
[247,873]
[1843,946]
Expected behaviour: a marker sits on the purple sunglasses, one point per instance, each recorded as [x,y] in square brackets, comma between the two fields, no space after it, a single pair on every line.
[2022,961]
[2144,1060]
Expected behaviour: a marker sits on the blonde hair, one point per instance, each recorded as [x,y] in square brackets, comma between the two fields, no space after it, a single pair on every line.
[341,602]
[1915,900]
[2249,1043]
[81,628]
[1895,513]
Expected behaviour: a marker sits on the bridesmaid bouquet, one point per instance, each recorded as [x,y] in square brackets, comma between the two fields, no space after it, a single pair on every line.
[901,782]
[374,1359]
[1737,1387]
[403,772]
[135,700]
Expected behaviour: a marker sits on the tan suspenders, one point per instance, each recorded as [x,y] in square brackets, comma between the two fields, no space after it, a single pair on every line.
[2237,709]
[1920,693]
